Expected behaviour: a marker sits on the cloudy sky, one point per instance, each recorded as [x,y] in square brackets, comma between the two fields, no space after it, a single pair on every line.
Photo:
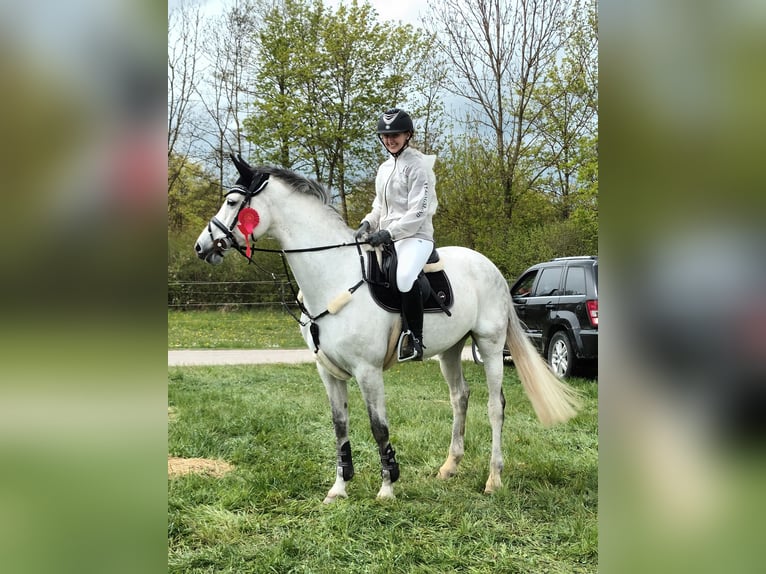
[407,11]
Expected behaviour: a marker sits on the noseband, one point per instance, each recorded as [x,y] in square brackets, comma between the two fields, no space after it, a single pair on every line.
[256,186]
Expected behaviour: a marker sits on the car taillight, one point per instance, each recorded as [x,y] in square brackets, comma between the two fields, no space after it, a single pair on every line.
[592,307]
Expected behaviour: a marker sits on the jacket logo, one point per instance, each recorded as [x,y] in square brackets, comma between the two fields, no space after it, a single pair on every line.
[423,205]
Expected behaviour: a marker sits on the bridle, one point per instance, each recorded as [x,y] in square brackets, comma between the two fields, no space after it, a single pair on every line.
[258,184]
[260,180]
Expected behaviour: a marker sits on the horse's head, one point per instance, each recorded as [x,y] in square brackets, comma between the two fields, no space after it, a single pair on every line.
[239,218]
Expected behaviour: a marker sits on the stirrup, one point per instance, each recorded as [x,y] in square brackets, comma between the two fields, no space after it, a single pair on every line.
[410,349]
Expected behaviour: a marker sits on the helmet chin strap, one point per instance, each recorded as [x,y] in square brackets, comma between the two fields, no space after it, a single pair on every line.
[404,147]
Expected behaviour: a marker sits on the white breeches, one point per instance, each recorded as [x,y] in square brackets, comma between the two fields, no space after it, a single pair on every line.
[413,254]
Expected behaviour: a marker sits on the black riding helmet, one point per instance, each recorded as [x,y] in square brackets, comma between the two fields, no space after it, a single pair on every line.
[395,121]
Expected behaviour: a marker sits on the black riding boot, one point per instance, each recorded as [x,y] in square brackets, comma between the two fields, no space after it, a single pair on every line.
[411,344]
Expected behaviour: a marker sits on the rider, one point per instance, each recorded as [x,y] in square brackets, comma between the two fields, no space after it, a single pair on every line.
[402,212]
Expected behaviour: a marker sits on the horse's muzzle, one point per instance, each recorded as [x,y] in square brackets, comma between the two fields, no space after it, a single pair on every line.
[213,256]
[198,249]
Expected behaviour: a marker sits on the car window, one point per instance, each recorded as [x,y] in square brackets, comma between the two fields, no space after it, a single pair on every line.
[550,278]
[575,282]
[524,286]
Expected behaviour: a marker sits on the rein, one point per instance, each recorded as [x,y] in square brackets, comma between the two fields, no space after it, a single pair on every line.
[304,250]
[314,328]
[282,252]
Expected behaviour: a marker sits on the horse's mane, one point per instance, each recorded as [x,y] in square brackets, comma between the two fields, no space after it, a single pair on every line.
[304,185]
[298,182]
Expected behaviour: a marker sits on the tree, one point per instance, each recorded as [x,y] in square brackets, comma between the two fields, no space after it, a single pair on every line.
[470,209]
[323,78]
[499,52]
[229,51]
[585,202]
[183,40]
[192,196]
[568,103]
[428,80]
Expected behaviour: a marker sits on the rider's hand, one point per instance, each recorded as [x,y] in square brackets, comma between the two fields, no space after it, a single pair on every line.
[381,237]
[364,227]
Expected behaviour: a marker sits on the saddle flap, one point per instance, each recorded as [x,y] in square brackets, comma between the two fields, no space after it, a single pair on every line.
[381,275]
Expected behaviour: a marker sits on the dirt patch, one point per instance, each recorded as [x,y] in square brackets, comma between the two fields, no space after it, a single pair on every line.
[181,466]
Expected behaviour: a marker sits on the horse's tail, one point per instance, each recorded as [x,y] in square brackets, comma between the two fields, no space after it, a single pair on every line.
[553,400]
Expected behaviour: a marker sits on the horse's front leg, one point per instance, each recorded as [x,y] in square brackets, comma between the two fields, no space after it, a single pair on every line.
[337,392]
[371,385]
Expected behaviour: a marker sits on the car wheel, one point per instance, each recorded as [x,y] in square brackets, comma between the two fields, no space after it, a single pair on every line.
[560,355]
[476,354]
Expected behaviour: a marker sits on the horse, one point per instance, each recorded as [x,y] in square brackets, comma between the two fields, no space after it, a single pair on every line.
[350,334]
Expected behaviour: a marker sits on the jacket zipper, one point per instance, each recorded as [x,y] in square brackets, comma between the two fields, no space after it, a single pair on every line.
[385,187]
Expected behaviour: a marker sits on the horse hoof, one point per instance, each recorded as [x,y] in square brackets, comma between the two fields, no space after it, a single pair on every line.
[446,474]
[386,493]
[492,486]
[333,496]
[449,468]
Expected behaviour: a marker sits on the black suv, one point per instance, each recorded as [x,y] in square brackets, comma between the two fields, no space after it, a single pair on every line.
[557,303]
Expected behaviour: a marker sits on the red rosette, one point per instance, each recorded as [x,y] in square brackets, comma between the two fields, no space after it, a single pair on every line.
[248,220]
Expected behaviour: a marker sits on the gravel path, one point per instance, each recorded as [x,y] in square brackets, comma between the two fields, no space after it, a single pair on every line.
[194,357]
[188,357]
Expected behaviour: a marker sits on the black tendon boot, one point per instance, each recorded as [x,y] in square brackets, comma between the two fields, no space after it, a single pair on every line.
[411,342]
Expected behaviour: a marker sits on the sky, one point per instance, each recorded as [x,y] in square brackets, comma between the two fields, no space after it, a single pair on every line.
[408,11]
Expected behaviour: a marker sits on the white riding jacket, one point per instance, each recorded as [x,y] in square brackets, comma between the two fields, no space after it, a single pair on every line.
[405,196]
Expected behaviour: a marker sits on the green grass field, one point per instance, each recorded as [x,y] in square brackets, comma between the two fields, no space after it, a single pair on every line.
[262,328]
[273,423]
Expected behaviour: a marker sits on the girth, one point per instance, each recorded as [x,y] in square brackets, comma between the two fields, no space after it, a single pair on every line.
[435,286]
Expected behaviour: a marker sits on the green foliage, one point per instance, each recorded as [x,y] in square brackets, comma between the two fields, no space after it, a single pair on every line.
[193,282]
[192,193]
[585,203]
[273,424]
[544,242]
[470,207]
[471,213]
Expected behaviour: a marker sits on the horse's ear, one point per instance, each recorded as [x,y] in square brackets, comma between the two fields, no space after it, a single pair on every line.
[243,162]
[241,165]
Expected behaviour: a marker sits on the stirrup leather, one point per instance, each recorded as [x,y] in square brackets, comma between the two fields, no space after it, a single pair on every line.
[408,347]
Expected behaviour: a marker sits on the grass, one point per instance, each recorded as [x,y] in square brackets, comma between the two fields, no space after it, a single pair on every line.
[273,423]
[265,328]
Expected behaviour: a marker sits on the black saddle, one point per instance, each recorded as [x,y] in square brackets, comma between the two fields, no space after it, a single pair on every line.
[435,286]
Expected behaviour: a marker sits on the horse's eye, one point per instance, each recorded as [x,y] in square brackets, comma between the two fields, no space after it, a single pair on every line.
[231,202]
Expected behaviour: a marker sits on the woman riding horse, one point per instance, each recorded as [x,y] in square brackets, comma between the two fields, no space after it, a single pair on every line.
[404,205]
[351,339]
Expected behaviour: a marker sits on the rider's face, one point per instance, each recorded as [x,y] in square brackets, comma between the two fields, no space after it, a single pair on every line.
[394,142]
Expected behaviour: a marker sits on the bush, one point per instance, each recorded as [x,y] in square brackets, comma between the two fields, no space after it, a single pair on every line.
[193,283]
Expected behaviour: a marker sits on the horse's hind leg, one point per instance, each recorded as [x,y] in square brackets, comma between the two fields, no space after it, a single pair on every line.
[371,384]
[493,368]
[337,392]
[452,370]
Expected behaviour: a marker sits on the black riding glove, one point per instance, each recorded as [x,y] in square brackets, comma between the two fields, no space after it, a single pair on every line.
[364,227]
[381,237]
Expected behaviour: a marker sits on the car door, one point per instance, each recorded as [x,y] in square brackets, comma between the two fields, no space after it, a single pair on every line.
[572,301]
[542,303]
[521,291]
